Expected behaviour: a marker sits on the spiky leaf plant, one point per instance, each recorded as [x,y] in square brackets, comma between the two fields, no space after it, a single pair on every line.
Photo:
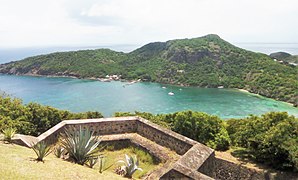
[41,149]
[59,151]
[8,134]
[80,144]
[92,162]
[130,165]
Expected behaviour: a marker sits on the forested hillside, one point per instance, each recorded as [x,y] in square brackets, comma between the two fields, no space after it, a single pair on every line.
[208,61]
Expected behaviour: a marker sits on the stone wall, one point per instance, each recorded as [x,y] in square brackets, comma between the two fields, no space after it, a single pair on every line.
[99,126]
[145,128]
[163,137]
[226,170]
[191,155]
[108,127]
[194,160]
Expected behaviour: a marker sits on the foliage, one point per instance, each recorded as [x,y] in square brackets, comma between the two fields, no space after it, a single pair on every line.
[204,128]
[159,119]
[271,138]
[144,156]
[92,161]
[34,119]
[208,61]
[130,165]
[59,151]
[9,134]
[103,166]
[41,149]
[81,144]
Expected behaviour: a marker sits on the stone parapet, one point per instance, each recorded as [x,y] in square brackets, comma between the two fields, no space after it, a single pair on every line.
[191,155]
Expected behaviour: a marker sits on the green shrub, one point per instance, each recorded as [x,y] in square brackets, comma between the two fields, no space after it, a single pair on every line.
[204,128]
[272,138]
[34,119]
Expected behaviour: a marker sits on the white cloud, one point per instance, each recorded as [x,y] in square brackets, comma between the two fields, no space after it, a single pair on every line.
[99,22]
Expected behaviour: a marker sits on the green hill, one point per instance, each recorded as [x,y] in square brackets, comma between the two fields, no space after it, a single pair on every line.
[208,61]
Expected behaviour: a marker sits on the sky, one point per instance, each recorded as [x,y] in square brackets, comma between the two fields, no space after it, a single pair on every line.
[33,23]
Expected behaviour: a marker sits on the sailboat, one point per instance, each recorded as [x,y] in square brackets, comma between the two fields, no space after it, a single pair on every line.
[171,93]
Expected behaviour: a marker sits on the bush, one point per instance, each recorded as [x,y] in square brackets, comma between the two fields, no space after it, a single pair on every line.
[271,138]
[34,119]
[204,128]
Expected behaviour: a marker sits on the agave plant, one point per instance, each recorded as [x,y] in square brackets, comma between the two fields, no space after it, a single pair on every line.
[9,134]
[92,162]
[130,165]
[41,149]
[59,151]
[80,144]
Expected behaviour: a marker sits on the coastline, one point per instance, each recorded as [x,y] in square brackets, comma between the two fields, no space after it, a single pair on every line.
[125,80]
[246,91]
[256,94]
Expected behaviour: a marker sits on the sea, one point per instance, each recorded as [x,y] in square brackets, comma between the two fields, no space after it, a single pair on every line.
[79,95]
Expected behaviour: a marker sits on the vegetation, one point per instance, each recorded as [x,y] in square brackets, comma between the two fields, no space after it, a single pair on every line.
[9,134]
[102,164]
[271,139]
[131,165]
[42,150]
[286,57]
[34,119]
[115,152]
[59,151]
[207,61]
[92,161]
[81,145]
[204,128]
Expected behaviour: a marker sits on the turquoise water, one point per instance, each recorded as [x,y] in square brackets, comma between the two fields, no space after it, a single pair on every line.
[108,97]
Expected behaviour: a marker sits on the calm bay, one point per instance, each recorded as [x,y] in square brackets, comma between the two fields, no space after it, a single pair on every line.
[79,95]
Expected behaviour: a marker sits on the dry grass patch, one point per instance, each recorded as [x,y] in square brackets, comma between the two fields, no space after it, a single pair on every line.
[17,162]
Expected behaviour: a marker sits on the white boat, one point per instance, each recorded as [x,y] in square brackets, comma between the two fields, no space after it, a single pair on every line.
[163,87]
[171,93]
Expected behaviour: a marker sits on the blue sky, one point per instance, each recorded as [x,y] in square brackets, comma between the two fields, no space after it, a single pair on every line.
[107,22]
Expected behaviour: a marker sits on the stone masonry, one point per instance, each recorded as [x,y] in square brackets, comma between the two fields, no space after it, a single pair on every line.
[186,164]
